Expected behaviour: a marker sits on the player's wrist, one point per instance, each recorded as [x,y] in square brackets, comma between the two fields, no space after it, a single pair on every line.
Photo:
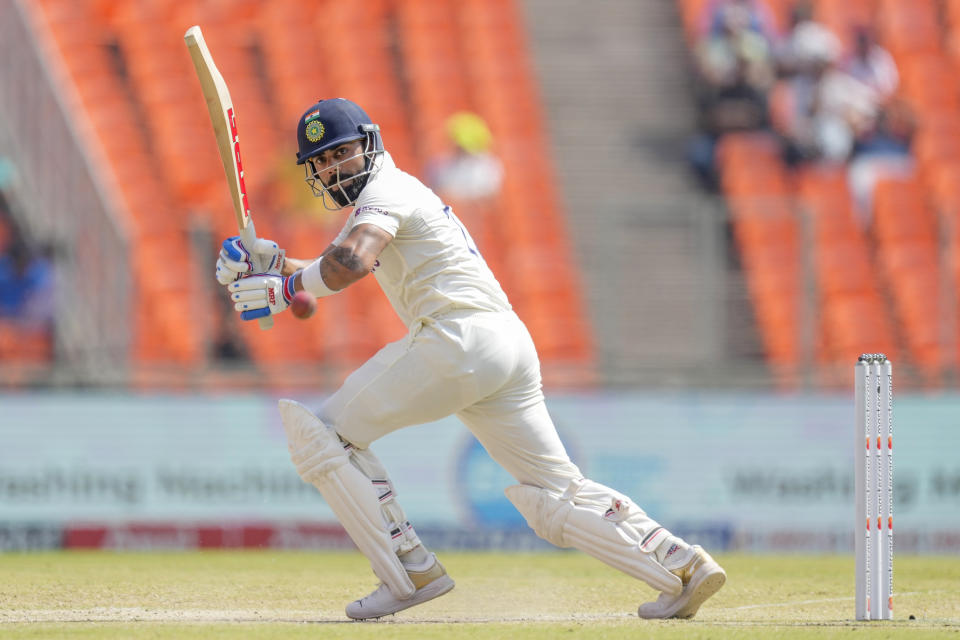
[289,287]
[311,279]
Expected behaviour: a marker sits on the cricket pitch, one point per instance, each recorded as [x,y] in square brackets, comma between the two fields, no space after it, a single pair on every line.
[269,594]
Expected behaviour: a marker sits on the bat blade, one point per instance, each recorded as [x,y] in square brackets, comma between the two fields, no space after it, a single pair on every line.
[224,121]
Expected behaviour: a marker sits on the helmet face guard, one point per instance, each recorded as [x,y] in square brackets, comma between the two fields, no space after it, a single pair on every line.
[344,188]
[327,125]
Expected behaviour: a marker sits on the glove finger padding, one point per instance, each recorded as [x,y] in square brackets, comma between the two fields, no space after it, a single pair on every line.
[258,296]
[249,296]
[236,259]
[234,249]
[233,262]
[238,266]
[225,275]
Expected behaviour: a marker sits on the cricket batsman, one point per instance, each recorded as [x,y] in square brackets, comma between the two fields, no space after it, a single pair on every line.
[466,353]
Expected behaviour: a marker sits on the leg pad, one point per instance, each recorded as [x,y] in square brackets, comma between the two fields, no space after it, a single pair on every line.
[615,531]
[320,459]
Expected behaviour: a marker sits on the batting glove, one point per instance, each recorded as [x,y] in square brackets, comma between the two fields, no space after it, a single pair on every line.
[236,260]
[261,295]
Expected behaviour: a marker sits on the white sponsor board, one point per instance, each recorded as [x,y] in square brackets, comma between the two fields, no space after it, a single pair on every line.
[735,470]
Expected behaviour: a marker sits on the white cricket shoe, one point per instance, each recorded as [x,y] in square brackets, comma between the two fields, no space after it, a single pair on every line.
[701,576]
[430,583]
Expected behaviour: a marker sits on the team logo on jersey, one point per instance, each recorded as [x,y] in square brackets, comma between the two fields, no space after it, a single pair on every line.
[314,131]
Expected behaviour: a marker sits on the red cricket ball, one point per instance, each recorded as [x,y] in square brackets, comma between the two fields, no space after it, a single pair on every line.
[303,305]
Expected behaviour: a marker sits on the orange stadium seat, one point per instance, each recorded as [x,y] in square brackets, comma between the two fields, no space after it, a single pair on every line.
[290,54]
[829,221]
[842,17]
[943,181]
[951,17]
[857,324]
[770,256]
[21,344]
[852,314]
[901,214]
[909,27]
[928,83]
[767,232]
[907,247]
[842,268]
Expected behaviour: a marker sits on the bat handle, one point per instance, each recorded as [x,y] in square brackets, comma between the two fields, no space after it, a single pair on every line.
[249,237]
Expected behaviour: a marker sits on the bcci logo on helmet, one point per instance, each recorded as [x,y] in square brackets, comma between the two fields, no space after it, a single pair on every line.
[314,131]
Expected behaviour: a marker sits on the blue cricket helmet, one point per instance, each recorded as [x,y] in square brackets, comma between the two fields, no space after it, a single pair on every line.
[329,124]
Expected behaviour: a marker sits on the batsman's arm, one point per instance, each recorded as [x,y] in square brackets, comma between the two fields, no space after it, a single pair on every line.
[340,265]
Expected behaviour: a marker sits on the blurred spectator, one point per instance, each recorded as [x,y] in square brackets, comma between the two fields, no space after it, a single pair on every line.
[470,172]
[759,18]
[735,69]
[872,65]
[735,50]
[27,291]
[26,286]
[882,153]
[821,110]
[786,48]
[469,176]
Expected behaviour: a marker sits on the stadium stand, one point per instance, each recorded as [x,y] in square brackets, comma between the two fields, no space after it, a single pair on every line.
[827,278]
[889,284]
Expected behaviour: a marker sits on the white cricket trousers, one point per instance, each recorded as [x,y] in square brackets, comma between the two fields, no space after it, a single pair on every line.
[481,366]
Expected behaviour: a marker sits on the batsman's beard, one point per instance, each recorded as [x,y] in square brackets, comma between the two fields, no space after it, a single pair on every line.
[346,189]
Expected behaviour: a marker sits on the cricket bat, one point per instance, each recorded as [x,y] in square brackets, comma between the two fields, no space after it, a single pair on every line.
[220,106]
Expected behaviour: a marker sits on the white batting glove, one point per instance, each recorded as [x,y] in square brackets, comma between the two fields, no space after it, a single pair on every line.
[236,261]
[261,295]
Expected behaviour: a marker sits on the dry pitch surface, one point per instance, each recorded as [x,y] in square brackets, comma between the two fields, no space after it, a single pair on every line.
[498,595]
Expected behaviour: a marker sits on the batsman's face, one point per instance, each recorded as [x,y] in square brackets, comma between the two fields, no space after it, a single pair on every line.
[336,167]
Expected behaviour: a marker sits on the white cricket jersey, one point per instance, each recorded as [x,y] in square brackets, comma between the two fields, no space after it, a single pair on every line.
[432,264]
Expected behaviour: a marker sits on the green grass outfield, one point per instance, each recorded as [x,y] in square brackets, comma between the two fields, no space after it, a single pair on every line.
[498,595]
